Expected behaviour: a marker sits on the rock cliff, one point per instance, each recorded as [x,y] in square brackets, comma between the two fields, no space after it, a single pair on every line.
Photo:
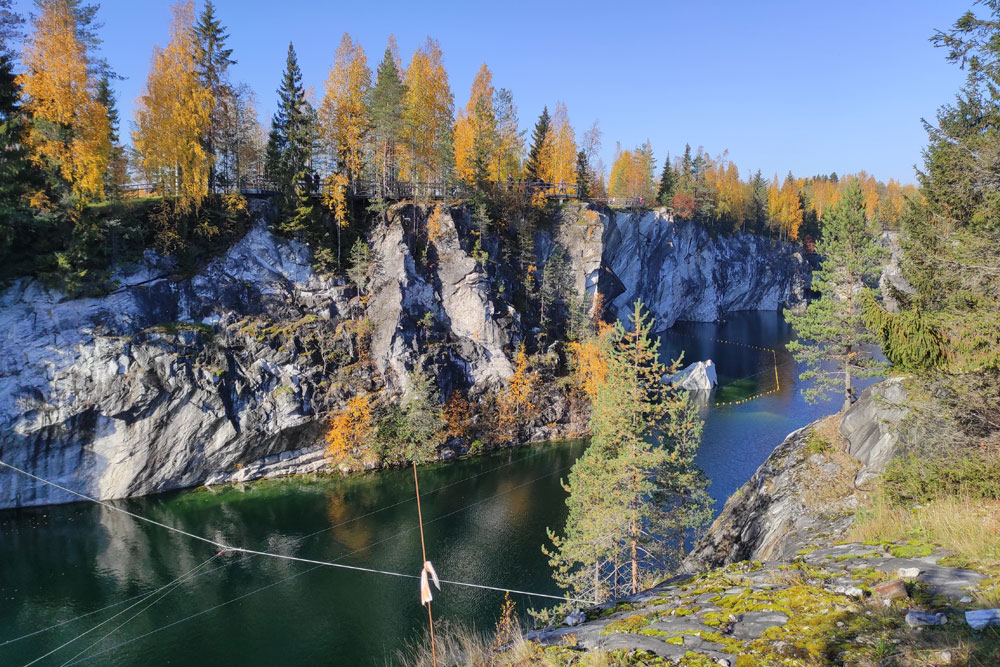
[229,374]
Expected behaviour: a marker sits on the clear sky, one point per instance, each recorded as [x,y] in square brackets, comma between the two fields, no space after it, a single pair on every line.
[807,86]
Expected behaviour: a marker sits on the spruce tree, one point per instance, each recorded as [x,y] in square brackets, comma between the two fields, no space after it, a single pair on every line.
[214,60]
[582,176]
[668,184]
[636,494]
[385,107]
[17,173]
[832,338]
[533,166]
[116,174]
[289,145]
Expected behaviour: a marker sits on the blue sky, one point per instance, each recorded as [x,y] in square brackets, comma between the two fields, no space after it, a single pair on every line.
[806,86]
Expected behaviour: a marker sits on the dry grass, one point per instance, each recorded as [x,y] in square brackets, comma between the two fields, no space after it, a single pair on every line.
[970,528]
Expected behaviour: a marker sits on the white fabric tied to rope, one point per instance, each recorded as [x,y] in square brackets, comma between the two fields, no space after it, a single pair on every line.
[425,587]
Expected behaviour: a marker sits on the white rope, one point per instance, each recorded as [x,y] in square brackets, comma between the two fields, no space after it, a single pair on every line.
[111,618]
[269,554]
[171,589]
[290,542]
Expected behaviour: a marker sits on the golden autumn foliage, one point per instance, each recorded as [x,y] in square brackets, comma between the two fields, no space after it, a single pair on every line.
[457,416]
[784,209]
[173,116]
[350,430]
[558,159]
[589,361]
[476,128]
[515,404]
[70,134]
[427,116]
[434,224]
[343,114]
[335,198]
[632,174]
[732,195]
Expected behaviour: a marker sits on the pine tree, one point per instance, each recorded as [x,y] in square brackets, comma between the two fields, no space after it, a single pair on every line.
[539,139]
[668,184]
[582,176]
[213,60]
[289,145]
[832,338]
[636,493]
[385,108]
[10,28]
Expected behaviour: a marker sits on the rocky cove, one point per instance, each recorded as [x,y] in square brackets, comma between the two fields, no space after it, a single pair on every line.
[229,374]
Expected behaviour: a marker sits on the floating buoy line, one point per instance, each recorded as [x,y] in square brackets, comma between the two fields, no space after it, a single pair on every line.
[759,348]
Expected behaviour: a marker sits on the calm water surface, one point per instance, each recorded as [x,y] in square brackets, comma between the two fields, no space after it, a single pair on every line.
[485,522]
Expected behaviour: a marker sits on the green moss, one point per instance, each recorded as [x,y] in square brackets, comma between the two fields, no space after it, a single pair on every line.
[630,624]
[912,549]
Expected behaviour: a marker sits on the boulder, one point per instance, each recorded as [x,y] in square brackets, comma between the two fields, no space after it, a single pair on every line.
[982,618]
[698,377]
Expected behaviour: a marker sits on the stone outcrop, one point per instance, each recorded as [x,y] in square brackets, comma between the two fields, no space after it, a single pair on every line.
[681,272]
[700,377]
[808,486]
[229,375]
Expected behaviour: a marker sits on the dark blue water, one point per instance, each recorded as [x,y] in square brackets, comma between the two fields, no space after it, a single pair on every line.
[486,521]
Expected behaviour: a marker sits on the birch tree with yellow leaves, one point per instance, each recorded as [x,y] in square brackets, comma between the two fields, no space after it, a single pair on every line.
[476,134]
[558,159]
[174,115]
[343,115]
[69,135]
[428,114]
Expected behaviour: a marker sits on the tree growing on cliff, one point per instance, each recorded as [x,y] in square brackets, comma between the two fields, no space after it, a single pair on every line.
[18,175]
[636,493]
[832,338]
[428,110]
[213,59]
[343,115]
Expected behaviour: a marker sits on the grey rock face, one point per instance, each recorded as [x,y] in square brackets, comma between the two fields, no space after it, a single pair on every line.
[682,273]
[871,427]
[770,518]
[229,375]
[156,386]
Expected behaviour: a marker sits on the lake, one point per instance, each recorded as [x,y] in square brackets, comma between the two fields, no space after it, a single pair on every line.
[485,522]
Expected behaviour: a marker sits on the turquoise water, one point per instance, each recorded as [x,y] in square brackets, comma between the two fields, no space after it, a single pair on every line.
[485,523]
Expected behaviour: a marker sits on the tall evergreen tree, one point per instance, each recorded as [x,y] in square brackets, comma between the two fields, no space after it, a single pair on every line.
[385,107]
[290,142]
[17,173]
[582,176]
[533,167]
[115,175]
[668,184]
[832,338]
[635,494]
[214,58]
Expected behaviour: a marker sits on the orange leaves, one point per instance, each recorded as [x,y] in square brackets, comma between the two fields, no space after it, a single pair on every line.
[434,224]
[343,115]
[174,115]
[427,114]
[558,159]
[589,361]
[336,198]
[632,174]
[457,416]
[476,124]
[73,135]
[350,430]
[515,404]
[784,208]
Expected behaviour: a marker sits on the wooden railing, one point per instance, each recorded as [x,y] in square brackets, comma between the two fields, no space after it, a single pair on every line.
[259,186]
